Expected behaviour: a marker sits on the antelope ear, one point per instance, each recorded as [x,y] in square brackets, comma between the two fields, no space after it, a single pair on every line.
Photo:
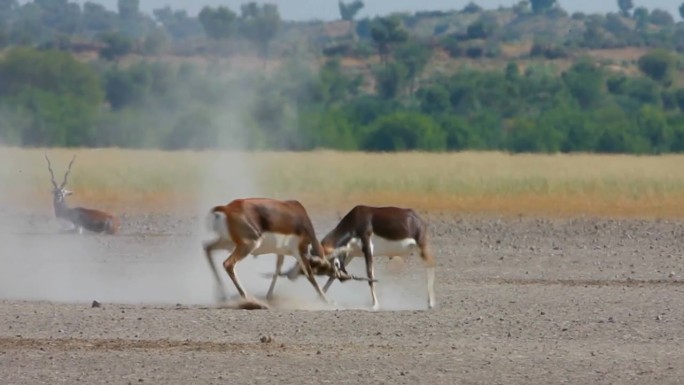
[68,192]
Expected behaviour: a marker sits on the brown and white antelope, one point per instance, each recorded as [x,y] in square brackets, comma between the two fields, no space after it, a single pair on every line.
[81,218]
[367,231]
[260,226]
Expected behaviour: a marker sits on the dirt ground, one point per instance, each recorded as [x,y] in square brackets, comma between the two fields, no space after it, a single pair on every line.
[519,301]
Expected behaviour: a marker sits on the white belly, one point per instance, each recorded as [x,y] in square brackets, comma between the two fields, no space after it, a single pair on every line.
[269,243]
[276,243]
[385,247]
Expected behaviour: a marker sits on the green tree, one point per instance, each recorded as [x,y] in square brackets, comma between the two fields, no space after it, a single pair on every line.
[615,132]
[405,131]
[434,99]
[260,24]
[542,6]
[96,18]
[333,85]
[641,15]
[659,65]
[483,28]
[585,82]
[522,7]
[414,56]
[571,128]
[116,46]
[28,26]
[60,15]
[385,32]
[460,135]
[122,90]
[661,17]
[390,79]
[349,10]
[128,9]
[472,7]
[132,22]
[512,72]
[219,23]
[328,128]
[679,97]
[55,97]
[194,129]
[653,125]
[526,135]
[178,24]
[143,85]
[625,7]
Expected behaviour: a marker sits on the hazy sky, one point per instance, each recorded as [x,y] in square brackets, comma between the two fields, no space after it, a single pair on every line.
[327,9]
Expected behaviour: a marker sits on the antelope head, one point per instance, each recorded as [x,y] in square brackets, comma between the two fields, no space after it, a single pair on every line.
[59,192]
[332,266]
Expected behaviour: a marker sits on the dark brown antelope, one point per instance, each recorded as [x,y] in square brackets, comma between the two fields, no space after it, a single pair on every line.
[260,226]
[367,231]
[81,218]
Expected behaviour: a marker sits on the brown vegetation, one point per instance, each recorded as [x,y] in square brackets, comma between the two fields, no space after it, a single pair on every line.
[468,182]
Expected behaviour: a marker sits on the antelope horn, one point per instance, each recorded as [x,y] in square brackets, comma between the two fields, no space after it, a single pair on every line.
[66,175]
[339,275]
[52,175]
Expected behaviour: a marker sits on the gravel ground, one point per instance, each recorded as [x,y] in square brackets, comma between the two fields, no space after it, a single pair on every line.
[519,301]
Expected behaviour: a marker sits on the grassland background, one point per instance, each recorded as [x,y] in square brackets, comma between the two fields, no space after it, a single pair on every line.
[468,182]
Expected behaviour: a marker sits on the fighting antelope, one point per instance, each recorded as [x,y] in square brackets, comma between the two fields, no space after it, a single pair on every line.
[260,226]
[81,218]
[378,231]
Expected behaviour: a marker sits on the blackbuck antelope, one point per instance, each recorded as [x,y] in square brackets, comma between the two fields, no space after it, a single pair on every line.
[260,226]
[367,231]
[81,218]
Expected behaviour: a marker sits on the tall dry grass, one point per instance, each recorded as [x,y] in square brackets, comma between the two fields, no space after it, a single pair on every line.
[469,182]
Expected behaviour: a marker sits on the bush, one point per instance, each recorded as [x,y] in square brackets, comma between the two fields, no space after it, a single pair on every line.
[403,131]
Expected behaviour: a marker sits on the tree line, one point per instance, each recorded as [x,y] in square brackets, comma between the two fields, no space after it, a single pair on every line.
[49,98]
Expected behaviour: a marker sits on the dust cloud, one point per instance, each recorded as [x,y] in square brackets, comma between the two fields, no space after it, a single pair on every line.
[141,266]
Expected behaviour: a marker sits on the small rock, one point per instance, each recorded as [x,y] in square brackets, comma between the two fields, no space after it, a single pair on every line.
[659,318]
[95,304]
[266,339]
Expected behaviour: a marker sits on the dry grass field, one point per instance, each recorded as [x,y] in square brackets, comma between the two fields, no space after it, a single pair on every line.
[469,182]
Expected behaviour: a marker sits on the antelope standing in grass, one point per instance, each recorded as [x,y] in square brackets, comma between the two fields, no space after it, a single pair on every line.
[260,226]
[367,231]
[80,218]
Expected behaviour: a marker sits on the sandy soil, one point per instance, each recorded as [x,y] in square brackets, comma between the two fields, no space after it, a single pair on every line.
[519,301]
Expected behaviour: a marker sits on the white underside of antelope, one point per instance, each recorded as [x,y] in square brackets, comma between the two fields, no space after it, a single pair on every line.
[268,243]
[68,227]
[382,247]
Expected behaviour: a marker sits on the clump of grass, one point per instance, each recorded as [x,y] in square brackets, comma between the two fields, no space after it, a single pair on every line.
[473,182]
